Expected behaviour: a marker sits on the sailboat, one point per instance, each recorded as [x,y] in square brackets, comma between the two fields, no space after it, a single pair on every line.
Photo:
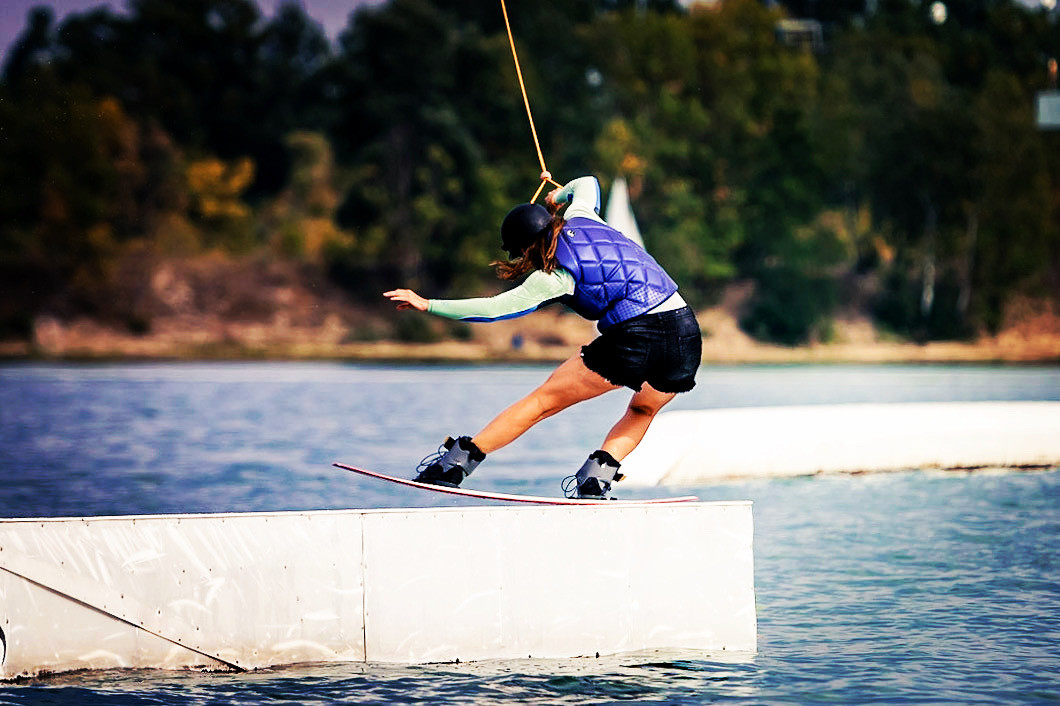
[619,213]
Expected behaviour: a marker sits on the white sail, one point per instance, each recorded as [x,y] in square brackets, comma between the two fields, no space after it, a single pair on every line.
[619,213]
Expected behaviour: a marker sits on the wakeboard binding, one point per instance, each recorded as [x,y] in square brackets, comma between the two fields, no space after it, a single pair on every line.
[593,480]
[451,464]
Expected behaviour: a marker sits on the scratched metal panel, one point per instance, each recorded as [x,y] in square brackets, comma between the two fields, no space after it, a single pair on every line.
[47,632]
[247,590]
[710,599]
[571,595]
[557,582]
[387,585]
[431,588]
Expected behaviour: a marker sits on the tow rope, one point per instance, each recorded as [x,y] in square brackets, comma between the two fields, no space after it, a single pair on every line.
[546,176]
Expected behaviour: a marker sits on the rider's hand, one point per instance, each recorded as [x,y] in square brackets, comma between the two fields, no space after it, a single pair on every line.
[406,299]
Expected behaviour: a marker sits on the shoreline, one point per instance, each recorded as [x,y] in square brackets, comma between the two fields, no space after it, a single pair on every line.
[546,337]
[280,315]
[714,353]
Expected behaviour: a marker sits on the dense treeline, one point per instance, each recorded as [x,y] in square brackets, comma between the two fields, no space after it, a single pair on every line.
[892,159]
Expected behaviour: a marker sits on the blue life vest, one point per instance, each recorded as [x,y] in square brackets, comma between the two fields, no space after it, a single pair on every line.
[614,278]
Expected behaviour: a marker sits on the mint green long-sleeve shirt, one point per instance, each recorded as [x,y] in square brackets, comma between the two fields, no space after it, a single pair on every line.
[582,197]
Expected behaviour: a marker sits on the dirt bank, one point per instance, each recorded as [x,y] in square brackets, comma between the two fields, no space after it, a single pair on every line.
[209,308]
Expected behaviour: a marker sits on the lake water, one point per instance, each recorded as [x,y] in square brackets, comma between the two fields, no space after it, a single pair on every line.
[912,587]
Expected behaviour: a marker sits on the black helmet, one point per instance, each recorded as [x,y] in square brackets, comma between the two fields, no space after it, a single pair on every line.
[522,226]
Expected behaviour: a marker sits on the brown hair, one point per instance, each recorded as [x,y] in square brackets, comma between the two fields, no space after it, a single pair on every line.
[539,255]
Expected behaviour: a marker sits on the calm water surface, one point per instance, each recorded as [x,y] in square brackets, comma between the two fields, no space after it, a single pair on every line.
[916,587]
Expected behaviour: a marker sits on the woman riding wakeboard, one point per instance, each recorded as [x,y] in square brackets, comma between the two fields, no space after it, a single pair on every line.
[649,338]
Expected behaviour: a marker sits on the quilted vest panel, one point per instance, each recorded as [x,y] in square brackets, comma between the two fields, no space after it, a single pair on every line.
[614,278]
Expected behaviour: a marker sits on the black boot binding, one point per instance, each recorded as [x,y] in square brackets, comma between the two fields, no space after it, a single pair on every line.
[593,479]
[453,462]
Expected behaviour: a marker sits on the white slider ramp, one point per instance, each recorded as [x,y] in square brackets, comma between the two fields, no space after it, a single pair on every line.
[693,447]
[245,591]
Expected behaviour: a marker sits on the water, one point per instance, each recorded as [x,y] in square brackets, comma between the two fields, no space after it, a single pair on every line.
[914,587]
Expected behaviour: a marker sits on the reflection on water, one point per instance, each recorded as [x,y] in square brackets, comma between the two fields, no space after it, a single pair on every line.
[909,587]
[691,677]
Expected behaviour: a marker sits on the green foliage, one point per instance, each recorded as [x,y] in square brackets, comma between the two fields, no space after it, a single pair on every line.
[415,198]
[389,159]
[932,126]
[900,309]
[74,172]
[797,290]
[416,328]
[790,307]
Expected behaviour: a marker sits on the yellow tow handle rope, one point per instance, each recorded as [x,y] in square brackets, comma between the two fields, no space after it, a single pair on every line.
[546,176]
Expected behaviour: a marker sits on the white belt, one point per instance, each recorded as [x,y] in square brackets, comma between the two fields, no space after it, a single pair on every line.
[671,303]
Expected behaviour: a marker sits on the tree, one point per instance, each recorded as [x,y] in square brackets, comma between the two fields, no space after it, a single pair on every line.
[1012,234]
[920,124]
[419,197]
[32,48]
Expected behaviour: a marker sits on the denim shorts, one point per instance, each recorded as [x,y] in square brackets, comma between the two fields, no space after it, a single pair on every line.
[661,349]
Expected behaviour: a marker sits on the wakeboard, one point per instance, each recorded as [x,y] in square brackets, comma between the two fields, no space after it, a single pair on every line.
[507,497]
